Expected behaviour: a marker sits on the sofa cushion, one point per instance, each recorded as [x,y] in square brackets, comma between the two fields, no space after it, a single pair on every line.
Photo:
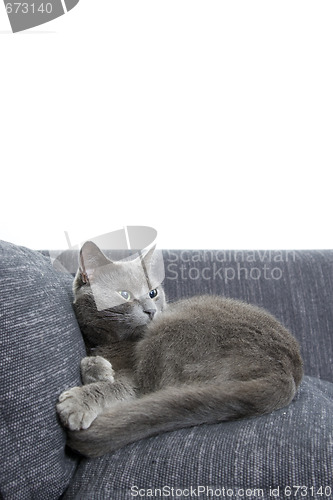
[40,351]
[288,448]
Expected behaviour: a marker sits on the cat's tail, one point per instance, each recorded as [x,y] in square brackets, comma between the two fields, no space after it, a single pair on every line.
[178,407]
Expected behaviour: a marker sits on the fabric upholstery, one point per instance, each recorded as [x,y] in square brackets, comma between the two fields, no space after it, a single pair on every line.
[40,351]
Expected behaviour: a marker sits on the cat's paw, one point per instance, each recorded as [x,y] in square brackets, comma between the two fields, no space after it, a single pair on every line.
[76,410]
[95,369]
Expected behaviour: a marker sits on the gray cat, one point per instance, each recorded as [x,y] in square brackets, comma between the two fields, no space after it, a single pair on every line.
[155,367]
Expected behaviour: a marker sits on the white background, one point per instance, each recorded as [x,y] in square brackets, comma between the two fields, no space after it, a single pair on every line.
[211,121]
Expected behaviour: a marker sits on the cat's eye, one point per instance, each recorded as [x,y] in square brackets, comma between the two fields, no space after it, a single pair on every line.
[125,294]
[153,293]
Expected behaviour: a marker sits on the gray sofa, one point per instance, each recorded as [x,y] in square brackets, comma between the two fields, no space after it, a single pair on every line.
[288,453]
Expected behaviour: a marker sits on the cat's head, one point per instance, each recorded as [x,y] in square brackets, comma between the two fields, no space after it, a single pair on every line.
[115,300]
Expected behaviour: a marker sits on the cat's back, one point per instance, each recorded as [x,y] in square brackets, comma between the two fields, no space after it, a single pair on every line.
[214,334]
[212,316]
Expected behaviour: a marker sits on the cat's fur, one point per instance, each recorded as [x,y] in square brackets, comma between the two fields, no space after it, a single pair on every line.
[201,360]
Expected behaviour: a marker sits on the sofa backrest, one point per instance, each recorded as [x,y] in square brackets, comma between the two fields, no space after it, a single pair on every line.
[295,286]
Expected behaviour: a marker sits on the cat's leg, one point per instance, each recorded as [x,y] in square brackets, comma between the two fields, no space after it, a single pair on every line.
[78,407]
[95,369]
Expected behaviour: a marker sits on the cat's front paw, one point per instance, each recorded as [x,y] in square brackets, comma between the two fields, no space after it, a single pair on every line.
[75,410]
[96,369]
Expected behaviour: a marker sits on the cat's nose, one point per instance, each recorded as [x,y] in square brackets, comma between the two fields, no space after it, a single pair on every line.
[150,312]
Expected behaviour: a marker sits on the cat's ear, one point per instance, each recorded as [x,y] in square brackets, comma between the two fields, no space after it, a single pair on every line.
[153,266]
[148,257]
[91,258]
